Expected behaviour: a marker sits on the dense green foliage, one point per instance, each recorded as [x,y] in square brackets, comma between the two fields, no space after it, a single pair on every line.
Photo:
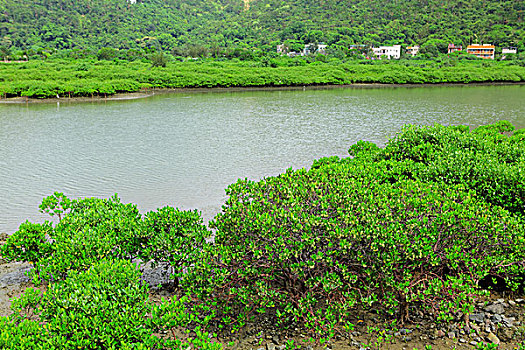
[173,237]
[420,225]
[92,229]
[416,225]
[485,160]
[41,79]
[217,27]
[105,307]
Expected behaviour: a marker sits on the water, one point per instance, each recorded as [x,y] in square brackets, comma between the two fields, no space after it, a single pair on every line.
[183,149]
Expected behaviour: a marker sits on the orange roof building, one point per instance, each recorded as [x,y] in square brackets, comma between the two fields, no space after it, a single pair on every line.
[485,51]
[453,48]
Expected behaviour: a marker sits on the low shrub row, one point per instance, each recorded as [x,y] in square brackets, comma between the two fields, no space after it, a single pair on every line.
[89,78]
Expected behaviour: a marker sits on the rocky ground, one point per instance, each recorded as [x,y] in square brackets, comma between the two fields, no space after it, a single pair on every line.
[497,323]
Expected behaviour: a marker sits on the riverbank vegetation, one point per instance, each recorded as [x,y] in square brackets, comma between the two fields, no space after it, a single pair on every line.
[87,77]
[430,224]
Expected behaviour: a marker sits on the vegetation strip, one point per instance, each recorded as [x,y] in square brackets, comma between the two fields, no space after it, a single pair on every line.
[49,79]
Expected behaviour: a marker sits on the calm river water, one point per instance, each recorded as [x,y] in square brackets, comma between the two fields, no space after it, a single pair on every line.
[183,149]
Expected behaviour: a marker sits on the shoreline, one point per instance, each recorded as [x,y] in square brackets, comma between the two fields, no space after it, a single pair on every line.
[154,91]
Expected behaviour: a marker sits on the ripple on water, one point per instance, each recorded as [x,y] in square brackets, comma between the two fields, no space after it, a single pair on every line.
[184,149]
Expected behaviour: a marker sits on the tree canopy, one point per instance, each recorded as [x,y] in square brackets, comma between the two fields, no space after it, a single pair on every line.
[187,27]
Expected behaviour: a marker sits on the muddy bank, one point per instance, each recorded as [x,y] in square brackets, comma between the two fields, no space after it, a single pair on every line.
[152,92]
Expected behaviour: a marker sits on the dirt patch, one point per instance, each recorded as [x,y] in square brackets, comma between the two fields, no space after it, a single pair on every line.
[496,320]
[13,282]
[95,98]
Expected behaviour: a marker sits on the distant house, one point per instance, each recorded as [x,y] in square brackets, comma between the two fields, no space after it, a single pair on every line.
[285,50]
[485,51]
[282,49]
[412,50]
[313,48]
[358,47]
[453,48]
[388,51]
[507,50]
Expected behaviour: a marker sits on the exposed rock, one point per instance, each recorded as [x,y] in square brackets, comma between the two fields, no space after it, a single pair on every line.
[506,334]
[478,318]
[404,331]
[509,321]
[493,339]
[15,275]
[461,340]
[451,335]
[495,309]
[355,343]
[496,318]
[270,346]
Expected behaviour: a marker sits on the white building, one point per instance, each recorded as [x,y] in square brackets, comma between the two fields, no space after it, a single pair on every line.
[507,50]
[312,48]
[388,51]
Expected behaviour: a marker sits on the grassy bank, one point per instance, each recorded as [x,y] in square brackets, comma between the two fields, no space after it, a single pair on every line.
[47,79]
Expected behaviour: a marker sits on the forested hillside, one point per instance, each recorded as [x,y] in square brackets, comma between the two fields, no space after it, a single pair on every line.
[199,27]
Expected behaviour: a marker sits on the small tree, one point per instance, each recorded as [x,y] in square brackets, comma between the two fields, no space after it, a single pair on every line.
[159,60]
[4,52]
[106,53]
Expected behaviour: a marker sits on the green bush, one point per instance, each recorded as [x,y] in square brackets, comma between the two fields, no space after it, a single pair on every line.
[488,160]
[91,229]
[159,60]
[380,230]
[29,244]
[175,237]
[308,246]
[104,307]
[86,77]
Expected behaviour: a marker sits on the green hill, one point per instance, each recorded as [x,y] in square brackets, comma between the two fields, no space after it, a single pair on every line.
[198,27]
